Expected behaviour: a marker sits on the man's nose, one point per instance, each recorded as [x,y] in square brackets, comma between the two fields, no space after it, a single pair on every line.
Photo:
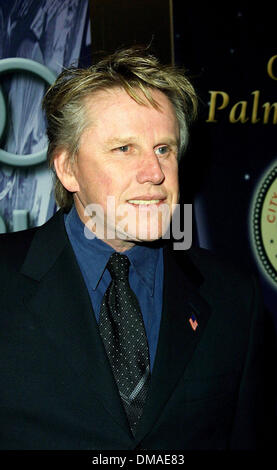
[150,170]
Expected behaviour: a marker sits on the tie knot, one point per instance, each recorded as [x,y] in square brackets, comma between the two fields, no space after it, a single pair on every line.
[118,266]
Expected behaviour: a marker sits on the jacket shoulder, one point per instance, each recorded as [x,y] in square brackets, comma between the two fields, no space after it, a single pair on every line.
[14,246]
[210,264]
[224,278]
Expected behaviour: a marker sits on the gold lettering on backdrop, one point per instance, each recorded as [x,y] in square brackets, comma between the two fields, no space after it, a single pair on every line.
[269,67]
[254,117]
[241,106]
[267,108]
[223,105]
[244,110]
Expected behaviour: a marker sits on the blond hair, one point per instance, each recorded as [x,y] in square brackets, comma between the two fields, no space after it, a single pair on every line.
[134,70]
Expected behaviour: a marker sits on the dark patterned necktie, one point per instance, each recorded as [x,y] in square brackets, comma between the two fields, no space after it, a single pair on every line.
[122,330]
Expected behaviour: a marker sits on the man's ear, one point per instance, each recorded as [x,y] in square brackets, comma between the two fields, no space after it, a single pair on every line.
[64,170]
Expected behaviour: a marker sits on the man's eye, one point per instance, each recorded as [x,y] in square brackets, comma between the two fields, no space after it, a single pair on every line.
[162,150]
[123,148]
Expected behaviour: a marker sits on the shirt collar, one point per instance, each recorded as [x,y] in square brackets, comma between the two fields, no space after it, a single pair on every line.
[94,252]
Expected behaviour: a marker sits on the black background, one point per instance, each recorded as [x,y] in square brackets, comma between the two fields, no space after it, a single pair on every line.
[227,48]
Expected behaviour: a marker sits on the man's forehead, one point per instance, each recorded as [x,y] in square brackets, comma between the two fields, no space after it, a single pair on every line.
[107,96]
[119,120]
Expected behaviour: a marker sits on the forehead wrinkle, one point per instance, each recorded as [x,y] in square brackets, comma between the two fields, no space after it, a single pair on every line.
[117,139]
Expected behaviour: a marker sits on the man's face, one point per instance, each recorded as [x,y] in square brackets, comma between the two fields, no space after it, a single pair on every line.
[130,153]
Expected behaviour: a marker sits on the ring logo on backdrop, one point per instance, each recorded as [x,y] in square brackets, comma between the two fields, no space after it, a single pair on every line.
[263,224]
[25,65]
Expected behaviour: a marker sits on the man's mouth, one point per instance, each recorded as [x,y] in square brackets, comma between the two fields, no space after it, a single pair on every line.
[144,202]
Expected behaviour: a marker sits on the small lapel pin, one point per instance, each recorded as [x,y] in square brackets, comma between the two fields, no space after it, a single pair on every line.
[193,322]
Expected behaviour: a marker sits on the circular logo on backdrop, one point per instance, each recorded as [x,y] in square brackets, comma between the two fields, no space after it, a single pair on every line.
[264,224]
[17,64]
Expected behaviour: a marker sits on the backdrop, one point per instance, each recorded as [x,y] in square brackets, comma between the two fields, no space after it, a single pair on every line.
[230,51]
[56,34]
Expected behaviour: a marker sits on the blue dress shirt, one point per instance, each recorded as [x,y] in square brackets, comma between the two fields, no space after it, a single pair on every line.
[145,275]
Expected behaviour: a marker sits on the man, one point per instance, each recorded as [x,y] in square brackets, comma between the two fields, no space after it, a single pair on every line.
[118,341]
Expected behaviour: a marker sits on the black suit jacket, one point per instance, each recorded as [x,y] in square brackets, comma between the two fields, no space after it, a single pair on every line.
[57,389]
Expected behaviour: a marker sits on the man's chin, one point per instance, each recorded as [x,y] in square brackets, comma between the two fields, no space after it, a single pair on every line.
[143,236]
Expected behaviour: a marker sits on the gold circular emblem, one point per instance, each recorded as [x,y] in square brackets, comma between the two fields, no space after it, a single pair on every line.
[264,224]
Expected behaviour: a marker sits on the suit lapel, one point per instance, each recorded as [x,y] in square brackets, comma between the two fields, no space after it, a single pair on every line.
[62,305]
[177,338]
